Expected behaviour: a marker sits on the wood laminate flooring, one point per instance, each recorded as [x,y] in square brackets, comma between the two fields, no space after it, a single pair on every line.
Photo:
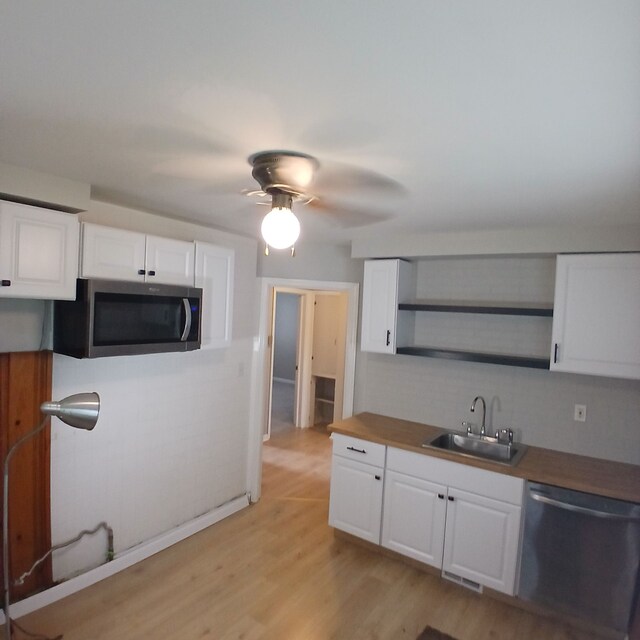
[275,571]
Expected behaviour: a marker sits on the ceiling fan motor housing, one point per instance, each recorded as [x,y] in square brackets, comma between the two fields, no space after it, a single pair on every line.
[288,172]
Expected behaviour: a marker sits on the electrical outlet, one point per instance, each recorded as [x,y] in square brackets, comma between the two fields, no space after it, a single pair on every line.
[580,412]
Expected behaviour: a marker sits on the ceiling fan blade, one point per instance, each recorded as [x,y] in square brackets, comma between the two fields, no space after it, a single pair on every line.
[181,141]
[347,216]
[202,167]
[334,177]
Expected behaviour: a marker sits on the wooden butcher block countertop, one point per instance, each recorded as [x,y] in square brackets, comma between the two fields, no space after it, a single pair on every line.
[581,473]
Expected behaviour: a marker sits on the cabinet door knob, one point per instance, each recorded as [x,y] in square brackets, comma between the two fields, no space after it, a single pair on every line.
[141,272]
[450,498]
[152,273]
[441,496]
[6,283]
[378,477]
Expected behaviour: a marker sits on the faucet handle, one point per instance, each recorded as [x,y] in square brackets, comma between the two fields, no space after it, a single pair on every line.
[468,427]
[505,435]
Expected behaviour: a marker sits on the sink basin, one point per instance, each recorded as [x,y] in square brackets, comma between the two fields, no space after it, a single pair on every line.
[484,448]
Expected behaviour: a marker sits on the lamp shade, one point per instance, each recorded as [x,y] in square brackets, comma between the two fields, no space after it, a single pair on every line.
[80,410]
[280,228]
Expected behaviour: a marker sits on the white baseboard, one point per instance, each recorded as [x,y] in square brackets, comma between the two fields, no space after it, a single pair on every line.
[125,559]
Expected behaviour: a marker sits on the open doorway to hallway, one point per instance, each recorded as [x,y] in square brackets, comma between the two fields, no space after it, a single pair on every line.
[286,333]
[263,369]
[308,345]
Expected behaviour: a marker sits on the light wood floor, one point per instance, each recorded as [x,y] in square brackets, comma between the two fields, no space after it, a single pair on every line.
[275,571]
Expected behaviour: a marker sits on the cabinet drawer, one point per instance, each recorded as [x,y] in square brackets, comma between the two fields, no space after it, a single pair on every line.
[453,474]
[360,450]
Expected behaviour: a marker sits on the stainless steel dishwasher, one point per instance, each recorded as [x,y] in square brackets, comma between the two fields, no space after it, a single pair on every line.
[581,555]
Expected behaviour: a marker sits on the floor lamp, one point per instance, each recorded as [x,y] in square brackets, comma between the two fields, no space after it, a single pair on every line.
[80,411]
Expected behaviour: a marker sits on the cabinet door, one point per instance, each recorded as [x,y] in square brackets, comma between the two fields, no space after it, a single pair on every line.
[112,254]
[379,306]
[414,517]
[170,261]
[214,275]
[38,252]
[355,504]
[482,540]
[597,314]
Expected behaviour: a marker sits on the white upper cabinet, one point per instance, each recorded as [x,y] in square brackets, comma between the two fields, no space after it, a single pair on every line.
[112,254]
[596,320]
[386,282]
[169,261]
[214,275]
[38,252]
[116,254]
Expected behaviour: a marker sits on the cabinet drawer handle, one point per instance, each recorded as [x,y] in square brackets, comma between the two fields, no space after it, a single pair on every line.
[388,337]
[555,353]
[450,498]
[377,477]
[141,272]
[6,283]
[356,450]
[441,496]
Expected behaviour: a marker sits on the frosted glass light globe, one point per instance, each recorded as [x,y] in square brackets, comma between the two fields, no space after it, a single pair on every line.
[280,228]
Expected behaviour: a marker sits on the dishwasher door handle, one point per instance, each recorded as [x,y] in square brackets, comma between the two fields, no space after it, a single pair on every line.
[567,506]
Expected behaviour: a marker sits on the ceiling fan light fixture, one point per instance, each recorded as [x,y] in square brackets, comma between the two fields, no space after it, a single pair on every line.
[280,228]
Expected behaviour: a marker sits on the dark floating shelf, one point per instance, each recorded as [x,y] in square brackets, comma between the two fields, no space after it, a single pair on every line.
[506,308]
[475,356]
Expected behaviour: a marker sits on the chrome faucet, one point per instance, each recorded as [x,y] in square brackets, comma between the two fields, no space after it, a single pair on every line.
[484,412]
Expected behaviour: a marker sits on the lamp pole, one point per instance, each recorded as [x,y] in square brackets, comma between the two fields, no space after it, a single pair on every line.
[5,523]
[81,411]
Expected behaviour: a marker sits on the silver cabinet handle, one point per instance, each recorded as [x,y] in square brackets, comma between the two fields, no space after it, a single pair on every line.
[567,506]
[187,320]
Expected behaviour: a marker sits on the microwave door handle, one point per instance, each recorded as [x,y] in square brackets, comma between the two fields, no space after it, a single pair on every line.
[187,320]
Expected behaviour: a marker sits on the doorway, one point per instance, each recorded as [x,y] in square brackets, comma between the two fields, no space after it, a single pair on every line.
[308,383]
[308,344]
[284,374]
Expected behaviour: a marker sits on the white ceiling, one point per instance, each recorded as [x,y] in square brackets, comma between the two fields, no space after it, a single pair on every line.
[491,114]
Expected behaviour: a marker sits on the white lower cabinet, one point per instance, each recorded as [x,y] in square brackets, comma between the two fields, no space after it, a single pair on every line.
[414,517]
[355,504]
[482,540]
[461,519]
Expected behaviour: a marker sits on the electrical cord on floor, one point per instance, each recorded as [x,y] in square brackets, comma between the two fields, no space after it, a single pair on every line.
[35,636]
[26,574]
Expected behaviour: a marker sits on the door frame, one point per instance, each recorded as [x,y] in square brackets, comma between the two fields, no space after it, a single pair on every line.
[262,355]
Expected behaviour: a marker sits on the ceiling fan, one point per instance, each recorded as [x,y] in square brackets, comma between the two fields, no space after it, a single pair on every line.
[289,176]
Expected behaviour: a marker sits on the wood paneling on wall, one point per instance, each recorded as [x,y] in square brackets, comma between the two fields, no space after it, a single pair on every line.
[25,382]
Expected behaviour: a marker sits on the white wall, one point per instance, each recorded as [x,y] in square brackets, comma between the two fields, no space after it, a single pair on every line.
[537,404]
[171,442]
[325,262]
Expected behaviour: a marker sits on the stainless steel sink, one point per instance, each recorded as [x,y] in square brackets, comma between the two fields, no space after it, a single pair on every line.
[479,447]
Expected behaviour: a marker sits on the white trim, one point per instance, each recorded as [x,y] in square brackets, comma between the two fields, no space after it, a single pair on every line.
[284,380]
[125,559]
[259,376]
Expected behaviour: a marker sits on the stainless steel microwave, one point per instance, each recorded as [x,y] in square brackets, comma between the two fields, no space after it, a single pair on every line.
[114,318]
